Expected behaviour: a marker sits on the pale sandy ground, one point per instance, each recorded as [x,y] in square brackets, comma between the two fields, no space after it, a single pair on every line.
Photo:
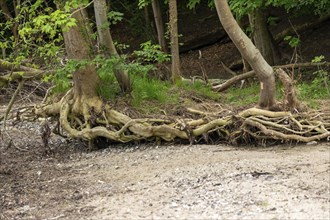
[177,182]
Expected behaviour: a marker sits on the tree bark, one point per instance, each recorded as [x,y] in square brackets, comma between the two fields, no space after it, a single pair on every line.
[176,67]
[159,24]
[106,43]
[249,52]
[262,37]
[77,45]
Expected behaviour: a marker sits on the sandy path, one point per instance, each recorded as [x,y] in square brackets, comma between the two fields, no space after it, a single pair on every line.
[174,182]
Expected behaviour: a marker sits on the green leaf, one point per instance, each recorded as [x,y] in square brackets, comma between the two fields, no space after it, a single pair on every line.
[318,59]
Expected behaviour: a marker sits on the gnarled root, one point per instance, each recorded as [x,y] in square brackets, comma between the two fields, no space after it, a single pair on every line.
[90,122]
[116,126]
[284,126]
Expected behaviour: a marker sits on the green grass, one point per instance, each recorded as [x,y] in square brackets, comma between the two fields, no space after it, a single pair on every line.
[200,89]
[245,96]
[312,94]
[145,89]
[309,93]
[151,95]
[108,88]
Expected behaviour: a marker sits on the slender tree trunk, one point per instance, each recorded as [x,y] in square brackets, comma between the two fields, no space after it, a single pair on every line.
[5,10]
[106,43]
[159,24]
[263,39]
[16,3]
[176,67]
[249,52]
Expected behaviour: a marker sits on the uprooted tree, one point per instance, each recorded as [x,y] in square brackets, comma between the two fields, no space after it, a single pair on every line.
[83,114]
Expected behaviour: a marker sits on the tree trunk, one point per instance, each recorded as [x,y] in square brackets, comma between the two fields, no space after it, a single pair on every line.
[85,80]
[176,67]
[159,24]
[249,52]
[106,43]
[5,10]
[262,37]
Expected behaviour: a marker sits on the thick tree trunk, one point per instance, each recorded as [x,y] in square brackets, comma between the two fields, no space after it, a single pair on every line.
[176,67]
[263,39]
[106,43]
[249,52]
[159,24]
[85,80]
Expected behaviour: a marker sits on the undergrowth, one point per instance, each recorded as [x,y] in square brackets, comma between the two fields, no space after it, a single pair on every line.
[150,94]
[248,94]
[311,93]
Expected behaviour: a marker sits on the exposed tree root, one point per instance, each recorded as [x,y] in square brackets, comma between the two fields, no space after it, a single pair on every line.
[254,123]
[90,118]
[10,104]
[299,127]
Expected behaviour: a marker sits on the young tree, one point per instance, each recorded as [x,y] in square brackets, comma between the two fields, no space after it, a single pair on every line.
[6,12]
[262,37]
[176,67]
[249,52]
[107,45]
[9,18]
[159,24]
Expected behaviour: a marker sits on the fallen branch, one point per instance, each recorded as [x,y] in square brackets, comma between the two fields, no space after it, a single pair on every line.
[300,28]
[12,100]
[222,87]
[19,72]
[228,70]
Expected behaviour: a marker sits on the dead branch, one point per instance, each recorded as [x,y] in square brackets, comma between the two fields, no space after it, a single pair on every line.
[12,100]
[312,23]
[19,72]
[224,86]
[228,70]
[290,101]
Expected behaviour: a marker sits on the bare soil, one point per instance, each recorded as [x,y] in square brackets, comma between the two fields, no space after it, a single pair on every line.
[139,181]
